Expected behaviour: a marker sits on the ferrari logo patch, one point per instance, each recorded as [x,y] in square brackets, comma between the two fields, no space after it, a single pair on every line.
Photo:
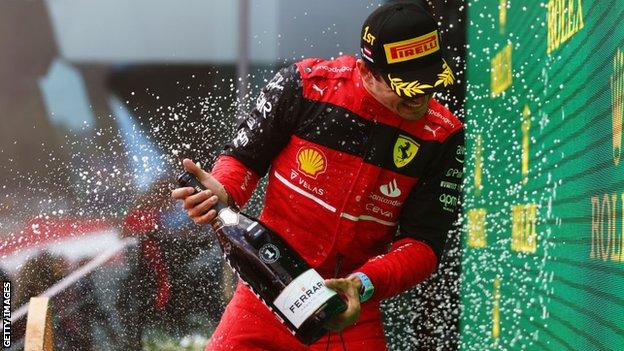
[405,149]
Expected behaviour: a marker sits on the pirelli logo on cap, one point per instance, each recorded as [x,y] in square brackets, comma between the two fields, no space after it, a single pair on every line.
[412,48]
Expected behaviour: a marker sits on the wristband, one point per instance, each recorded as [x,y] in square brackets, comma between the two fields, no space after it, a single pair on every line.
[367,288]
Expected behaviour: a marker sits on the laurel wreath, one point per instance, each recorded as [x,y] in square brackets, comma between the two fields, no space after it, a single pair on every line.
[414,88]
[446,77]
[408,89]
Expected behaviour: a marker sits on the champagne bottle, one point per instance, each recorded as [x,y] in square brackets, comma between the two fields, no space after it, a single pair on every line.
[274,272]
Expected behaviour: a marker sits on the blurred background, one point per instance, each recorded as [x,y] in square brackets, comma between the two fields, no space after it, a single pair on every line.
[99,102]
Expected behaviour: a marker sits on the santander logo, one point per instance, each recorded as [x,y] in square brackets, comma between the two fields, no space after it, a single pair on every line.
[391,189]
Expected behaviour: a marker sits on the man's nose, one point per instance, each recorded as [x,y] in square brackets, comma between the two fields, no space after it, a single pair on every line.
[419,100]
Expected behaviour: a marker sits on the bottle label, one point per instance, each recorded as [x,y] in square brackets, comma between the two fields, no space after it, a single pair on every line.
[228,217]
[303,296]
[269,253]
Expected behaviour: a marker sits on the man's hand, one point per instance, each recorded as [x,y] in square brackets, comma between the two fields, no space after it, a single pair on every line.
[198,206]
[349,288]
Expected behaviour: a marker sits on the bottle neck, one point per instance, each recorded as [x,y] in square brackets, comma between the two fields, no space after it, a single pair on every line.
[219,206]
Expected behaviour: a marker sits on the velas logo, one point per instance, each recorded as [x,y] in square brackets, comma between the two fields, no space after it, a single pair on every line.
[412,48]
[391,189]
[311,161]
[405,149]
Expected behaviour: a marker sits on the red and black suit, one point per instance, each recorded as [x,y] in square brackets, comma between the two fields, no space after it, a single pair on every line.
[352,187]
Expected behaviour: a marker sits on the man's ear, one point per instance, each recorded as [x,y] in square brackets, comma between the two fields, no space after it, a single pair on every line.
[365,73]
[361,66]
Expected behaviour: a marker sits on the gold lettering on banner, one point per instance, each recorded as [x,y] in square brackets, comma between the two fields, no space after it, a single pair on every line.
[477,171]
[595,223]
[496,310]
[502,15]
[476,228]
[523,231]
[614,254]
[605,243]
[501,71]
[526,126]
[565,18]
[617,103]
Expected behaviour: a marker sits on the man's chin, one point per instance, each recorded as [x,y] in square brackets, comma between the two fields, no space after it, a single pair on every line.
[412,115]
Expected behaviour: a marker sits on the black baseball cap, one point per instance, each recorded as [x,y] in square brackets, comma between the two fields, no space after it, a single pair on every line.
[402,41]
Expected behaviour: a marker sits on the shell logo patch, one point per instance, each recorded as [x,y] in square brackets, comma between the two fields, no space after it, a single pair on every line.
[405,149]
[311,161]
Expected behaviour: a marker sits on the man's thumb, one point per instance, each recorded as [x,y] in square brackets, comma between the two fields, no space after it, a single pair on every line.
[191,167]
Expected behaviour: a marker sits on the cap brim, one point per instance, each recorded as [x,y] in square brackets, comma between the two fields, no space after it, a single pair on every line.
[423,81]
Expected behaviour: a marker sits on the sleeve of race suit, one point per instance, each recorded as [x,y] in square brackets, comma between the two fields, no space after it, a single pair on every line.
[425,222]
[408,263]
[261,136]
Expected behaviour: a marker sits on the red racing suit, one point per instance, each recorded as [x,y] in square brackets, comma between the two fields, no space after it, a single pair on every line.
[352,187]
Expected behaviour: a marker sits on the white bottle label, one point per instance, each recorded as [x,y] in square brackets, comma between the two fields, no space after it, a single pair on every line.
[228,217]
[303,296]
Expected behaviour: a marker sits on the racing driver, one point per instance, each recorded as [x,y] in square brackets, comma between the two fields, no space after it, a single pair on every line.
[364,169]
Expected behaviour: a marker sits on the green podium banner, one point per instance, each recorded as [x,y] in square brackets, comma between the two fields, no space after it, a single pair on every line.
[543,238]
